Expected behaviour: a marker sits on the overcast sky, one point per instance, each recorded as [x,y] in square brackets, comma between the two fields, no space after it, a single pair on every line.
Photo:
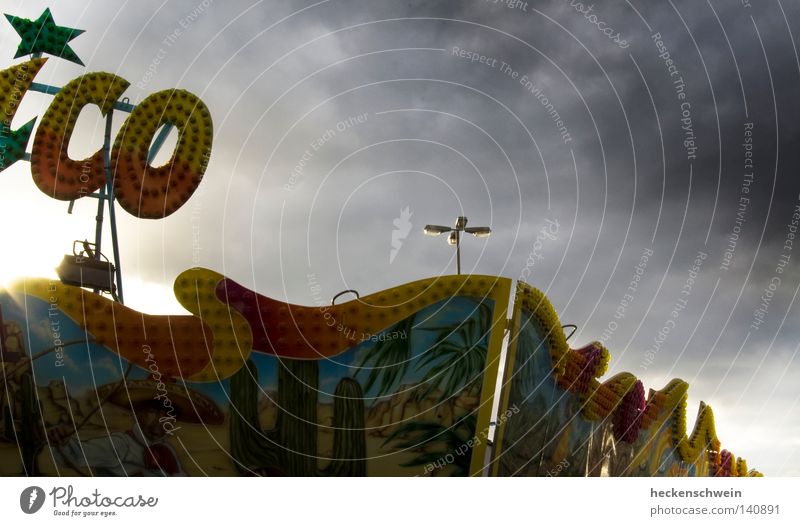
[332,117]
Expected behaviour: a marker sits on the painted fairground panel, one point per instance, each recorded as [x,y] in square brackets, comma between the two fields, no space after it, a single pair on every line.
[395,383]
[556,419]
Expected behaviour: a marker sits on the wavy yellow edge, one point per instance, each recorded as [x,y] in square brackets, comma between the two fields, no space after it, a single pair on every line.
[603,398]
[195,289]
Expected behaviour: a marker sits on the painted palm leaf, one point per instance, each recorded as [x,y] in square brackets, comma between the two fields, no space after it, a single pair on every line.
[458,356]
[420,435]
[388,361]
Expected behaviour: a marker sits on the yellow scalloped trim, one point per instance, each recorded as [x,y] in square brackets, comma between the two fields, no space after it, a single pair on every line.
[602,398]
[196,289]
[545,317]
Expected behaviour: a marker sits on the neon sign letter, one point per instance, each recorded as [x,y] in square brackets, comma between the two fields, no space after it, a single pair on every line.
[53,171]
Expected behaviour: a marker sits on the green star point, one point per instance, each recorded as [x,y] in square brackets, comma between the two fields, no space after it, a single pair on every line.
[13,143]
[44,36]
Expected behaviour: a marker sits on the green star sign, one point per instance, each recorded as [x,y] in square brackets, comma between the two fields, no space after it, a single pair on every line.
[13,143]
[44,36]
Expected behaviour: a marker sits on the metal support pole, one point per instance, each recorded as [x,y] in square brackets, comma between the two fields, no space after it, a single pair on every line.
[98,232]
[98,229]
[114,239]
[458,251]
[52,90]
[159,142]
[107,194]
[101,202]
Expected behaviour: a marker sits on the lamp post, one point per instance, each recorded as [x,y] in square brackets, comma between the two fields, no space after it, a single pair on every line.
[455,234]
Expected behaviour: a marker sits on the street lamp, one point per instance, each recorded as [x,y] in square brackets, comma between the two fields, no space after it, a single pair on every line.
[455,234]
